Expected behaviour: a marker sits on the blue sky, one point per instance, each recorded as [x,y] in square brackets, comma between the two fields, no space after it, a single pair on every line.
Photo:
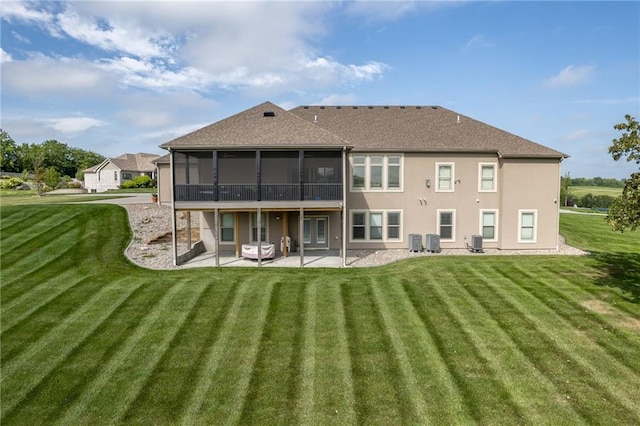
[115,77]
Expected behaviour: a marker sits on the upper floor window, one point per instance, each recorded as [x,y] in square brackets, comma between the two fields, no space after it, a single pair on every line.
[487,177]
[376,172]
[445,175]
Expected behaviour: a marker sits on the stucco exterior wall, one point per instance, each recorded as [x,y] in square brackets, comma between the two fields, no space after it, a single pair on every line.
[420,201]
[164,183]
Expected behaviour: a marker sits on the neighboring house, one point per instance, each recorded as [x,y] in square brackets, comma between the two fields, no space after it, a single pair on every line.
[362,177]
[113,172]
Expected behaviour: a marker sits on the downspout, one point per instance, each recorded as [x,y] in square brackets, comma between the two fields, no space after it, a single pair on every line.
[344,206]
[173,208]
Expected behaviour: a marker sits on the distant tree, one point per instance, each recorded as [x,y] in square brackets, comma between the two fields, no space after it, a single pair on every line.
[10,159]
[625,211]
[51,177]
[37,164]
[565,182]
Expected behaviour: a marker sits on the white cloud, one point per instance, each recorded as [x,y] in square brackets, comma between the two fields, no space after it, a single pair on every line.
[335,99]
[113,35]
[477,40]
[73,124]
[20,37]
[577,135]
[571,76]
[18,11]
[4,56]
[40,74]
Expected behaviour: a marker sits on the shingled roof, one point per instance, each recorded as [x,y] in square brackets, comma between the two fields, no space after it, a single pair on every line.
[140,162]
[265,125]
[418,129]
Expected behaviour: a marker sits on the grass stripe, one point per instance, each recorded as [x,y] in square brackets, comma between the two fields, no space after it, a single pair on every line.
[304,406]
[238,372]
[377,387]
[27,266]
[579,350]
[37,224]
[420,410]
[36,234]
[506,360]
[109,394]
[53,347]
[21,307]
[441,388]
[334,393]
[213,359]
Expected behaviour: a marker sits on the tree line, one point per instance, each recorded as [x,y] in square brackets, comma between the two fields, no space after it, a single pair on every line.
[597,181]
[49,157]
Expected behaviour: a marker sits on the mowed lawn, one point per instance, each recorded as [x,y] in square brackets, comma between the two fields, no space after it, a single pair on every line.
[88,338]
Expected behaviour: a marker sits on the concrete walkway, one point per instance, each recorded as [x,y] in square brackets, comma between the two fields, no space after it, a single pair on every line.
[122,199]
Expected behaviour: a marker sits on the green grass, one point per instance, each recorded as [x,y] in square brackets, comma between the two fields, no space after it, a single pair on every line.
[89,338]
[580,191]
[12,197]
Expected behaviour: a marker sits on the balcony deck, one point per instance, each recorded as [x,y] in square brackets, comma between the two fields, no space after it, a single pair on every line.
[265,192]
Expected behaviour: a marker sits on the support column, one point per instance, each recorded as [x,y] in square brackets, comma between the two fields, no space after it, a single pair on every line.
[216,234]
[285,229]
[344,212]
[174,238]
[259,234]
[301,236]
[189,230]
[236,233]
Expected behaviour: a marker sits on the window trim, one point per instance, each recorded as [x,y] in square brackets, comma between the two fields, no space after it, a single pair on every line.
[495,224]
[453,176]
[367,225]
[495,177]
[385,172]
[453,224]
[535,226]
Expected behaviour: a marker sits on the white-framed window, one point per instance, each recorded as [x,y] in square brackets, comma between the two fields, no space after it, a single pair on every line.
[263,227]
[527,226]
[446,225]
[227,227]
[377,225]
[445,175]
[489,225]
[376,172]
[115,175]
[487,177]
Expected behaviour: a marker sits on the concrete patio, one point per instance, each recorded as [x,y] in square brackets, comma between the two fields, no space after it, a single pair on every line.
[312,259]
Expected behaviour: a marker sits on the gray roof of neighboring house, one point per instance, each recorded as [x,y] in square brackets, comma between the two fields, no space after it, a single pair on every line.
[419,129]
[165,159]
[140,162]
[265,125]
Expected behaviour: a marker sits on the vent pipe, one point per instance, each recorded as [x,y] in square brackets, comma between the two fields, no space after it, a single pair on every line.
[458,120]
[315,118]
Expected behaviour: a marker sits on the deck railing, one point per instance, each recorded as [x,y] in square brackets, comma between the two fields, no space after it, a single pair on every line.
[267,192]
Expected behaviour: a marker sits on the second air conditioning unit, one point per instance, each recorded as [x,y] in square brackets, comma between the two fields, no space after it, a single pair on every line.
[433,243]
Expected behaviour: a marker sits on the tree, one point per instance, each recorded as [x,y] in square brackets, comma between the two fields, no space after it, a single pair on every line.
[10,159]
[565,182]
[625,211]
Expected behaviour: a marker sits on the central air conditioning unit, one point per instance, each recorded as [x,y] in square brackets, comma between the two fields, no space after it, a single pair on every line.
[415,242]
[476,243]
[433,243]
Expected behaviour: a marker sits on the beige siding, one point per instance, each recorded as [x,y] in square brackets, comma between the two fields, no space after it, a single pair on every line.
[420,205]
[164,183]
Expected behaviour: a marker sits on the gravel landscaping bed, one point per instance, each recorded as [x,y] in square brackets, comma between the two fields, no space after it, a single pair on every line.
[151,244]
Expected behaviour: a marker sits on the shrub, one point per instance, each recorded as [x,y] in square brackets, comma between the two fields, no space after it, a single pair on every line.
[11,183]
[139,182]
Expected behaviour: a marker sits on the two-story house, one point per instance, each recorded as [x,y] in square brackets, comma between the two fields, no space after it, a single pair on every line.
[362,177]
